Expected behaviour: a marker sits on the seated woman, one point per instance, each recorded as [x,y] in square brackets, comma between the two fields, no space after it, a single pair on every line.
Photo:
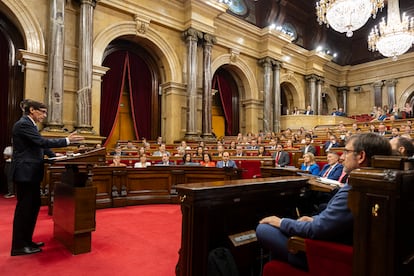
[199,152]
[309,164]
[262,151]
[116,161]
[188,160]
[143,163]
[207,161]
[289,145]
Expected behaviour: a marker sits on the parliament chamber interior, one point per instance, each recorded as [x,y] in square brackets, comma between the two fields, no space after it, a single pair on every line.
[162,91]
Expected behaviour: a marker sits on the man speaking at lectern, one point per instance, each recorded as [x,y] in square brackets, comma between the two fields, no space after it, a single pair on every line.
[29,148]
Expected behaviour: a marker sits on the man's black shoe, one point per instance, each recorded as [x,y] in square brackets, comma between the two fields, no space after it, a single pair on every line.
[37,244]
[25,251]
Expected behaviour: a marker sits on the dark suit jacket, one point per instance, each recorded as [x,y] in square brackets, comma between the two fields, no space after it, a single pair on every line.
[29,148]
[335,223]
[230,164]
[326,145]
[334,174]
[310,149]
[284,158]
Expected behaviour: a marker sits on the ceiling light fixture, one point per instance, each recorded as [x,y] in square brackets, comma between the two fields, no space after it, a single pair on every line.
[394,37]
[346,16]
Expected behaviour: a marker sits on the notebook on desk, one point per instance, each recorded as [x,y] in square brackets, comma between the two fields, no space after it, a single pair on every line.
[329,182]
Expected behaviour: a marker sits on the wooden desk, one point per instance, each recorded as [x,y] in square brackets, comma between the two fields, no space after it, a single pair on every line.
[313,183]
[122,186]
[214,210]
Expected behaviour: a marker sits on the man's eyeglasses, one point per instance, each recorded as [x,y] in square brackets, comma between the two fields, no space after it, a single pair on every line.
[346,151]
[42,111]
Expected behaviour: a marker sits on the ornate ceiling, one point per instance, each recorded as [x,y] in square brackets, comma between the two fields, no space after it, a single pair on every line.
[299,17]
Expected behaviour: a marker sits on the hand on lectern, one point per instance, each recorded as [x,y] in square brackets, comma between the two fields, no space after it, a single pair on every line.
[74,137]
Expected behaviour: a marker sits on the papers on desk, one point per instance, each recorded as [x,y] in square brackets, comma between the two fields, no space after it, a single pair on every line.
[329,182]
[58,157]
[63,157]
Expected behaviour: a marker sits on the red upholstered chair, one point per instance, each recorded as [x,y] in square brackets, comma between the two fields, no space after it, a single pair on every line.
[251,168]
[324,259]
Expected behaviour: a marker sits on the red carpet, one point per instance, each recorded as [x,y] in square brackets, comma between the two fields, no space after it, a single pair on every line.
[139,240]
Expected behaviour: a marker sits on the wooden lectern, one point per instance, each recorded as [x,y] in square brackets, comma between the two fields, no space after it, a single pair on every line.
[75,200]
[382,202]
[214,212]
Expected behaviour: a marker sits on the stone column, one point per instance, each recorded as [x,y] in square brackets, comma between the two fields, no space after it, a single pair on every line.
[391,91]
[84,106]
[191,37]
[343,91]
[277,108]
[54,92]
[312,91]
[267,97]
[319,83]
[378,92]
[208,42]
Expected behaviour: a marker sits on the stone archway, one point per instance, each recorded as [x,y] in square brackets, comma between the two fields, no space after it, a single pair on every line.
[250,105]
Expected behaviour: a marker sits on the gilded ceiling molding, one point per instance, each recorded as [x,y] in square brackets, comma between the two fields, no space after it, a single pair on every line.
[32,32]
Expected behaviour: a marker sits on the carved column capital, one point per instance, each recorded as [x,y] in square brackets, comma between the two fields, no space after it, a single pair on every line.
[209,39]
[266,62]
[89,2]
[391,82]
[343,89]
[277,65]
[311,78]
[378,84]
[192,34]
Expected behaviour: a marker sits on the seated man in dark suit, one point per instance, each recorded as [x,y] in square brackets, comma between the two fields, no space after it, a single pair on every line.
[332,143]
[308,110]
[165,160]
[226,162]
[335,222]
[341,112]
[280,156]
[333,169]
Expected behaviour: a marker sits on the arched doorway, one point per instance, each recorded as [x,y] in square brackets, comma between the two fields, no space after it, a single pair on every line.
[130,103]
[11,79]
[287,100]
[225,113]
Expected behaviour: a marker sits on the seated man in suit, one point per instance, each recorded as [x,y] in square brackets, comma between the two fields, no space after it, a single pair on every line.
[335,222]
[333,169]
[332,143]
[309,110]
[308,145]
[226,162]
[165,160]
[280,156]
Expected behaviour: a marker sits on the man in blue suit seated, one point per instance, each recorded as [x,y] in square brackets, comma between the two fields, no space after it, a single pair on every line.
[335,223]
[333,169]
[226,162]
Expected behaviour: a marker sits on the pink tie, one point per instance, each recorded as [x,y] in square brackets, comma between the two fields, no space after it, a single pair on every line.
[342,176]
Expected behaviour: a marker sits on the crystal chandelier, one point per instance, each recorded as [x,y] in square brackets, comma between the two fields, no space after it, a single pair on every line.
[395,37]
[346,15]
